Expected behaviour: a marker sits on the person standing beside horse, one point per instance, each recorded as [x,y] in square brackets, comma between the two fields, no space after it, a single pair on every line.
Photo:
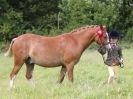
[114,56]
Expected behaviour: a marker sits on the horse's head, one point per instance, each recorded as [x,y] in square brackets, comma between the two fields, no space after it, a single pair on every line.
[101,36]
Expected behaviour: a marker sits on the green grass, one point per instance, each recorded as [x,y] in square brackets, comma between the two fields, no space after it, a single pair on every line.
[89,75]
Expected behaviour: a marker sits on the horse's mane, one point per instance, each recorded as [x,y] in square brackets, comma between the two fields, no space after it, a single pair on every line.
[84,27]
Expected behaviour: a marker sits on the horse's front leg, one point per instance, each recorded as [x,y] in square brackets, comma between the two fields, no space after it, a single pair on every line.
[70,68]
[62,74]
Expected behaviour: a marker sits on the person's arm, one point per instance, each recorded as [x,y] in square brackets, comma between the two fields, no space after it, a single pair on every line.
[120,54]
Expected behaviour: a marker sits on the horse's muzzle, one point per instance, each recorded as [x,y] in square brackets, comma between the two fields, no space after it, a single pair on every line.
[108,46]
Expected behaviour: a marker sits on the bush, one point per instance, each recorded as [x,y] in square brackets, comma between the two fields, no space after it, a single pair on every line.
[129,35]
[4,46]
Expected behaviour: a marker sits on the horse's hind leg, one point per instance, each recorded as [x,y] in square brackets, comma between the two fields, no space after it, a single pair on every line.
[62,74]
[29,70]
[17,65]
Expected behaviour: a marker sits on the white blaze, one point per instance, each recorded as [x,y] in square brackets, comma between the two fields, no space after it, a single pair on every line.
[108,46]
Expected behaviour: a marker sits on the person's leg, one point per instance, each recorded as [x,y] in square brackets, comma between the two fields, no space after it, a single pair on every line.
[111,74]
[116,71]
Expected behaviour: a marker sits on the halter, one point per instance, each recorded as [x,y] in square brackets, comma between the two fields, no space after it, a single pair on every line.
[100,35]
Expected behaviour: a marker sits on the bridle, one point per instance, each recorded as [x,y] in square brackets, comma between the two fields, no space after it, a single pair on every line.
[100,34]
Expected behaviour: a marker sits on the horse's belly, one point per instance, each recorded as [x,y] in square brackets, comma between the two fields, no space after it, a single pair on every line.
[47,62]
[47,65]
[45,54]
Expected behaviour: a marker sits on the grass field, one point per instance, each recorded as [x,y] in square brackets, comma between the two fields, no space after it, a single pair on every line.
[90,74]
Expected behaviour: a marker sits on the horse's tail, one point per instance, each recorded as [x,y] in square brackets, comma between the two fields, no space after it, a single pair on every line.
[9,52]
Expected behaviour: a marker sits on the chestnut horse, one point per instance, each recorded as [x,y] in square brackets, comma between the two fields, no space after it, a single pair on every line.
[63,50]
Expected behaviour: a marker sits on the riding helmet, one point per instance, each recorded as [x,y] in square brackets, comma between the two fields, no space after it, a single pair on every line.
[114,35]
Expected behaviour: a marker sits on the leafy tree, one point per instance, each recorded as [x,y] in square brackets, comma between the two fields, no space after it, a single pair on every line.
[47,17]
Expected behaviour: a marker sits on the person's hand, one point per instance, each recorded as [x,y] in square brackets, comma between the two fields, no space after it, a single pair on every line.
[121,63]
[121,60]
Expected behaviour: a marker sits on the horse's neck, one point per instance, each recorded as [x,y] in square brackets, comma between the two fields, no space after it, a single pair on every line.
[84,38]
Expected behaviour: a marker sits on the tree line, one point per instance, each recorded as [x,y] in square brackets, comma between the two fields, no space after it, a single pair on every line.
[51,17]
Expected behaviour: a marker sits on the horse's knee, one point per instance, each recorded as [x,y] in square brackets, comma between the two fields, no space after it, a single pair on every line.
[70,68]
[15,70]
[70,75]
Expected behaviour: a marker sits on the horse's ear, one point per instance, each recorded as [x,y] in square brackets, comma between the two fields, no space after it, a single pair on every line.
[101,27]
